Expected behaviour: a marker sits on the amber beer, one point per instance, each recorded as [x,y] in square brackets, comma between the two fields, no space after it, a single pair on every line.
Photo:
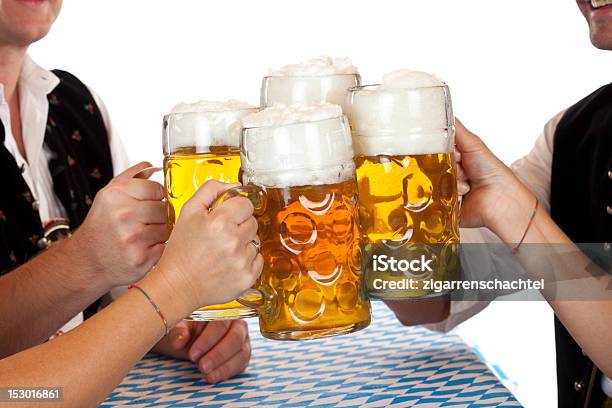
[199,146]
[408,203]
[308,226]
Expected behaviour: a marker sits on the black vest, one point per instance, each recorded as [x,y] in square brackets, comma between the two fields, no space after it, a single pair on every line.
[581,190]
[80,165]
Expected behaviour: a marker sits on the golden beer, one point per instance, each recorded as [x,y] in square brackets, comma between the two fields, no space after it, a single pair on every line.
[312,262]
[408,207]
[403,132]
[186,171]
[199,146]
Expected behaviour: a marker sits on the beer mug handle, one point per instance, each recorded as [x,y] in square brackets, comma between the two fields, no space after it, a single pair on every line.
[252,297]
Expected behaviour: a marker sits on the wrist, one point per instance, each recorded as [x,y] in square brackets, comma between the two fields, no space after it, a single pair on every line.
[86,273]
[511,213]
[172,301]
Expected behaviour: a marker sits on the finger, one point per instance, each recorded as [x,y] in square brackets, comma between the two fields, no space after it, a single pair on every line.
[467,141]
[251,251]
[129,173]
[462,187]
[154,253]
[231,343]
[152,212]
[236,209]
[457,155]
[207,195]
[212,333]
[248,230]
[147,173]
[180,335]
[256,267]
[198,327]
[235,365]
[461,173]
[142,189]
[153,234]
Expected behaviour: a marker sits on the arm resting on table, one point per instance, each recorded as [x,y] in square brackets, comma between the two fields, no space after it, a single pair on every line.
[89,361]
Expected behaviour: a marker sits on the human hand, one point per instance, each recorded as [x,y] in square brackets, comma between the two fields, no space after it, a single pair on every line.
[220,349]
[210,257]
[125,231]
[491,192]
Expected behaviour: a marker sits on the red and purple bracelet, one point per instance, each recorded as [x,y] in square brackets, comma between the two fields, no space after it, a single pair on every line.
[515,250]
[157,309]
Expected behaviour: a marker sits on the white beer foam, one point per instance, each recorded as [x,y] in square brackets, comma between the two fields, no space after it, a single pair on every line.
[297,145]
[211,106]
[284,115]
[320,79]
[321,65]
[406,78]
[407,114]
[208,123]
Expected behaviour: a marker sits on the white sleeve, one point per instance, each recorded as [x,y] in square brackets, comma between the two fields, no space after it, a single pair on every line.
[534,170]
[119,155]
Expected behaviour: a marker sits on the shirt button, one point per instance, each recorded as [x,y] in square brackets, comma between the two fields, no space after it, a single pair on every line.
[43,243]
[578,385]
[35,205]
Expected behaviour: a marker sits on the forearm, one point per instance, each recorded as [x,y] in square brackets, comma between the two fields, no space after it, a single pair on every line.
[40,296]
[92,359]
[104,347]
[587,320]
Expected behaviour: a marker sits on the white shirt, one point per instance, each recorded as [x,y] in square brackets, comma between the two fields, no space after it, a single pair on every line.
[34,84]
[534,170]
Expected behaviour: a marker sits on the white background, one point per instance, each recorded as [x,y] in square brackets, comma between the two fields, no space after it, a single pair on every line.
[510,65]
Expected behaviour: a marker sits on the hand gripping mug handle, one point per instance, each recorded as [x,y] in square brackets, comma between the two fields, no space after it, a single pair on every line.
[252,297]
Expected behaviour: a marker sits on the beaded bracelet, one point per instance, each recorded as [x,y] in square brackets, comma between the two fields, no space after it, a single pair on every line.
[157,309]
[515,250]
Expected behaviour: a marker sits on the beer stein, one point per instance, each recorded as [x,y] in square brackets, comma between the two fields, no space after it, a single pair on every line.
[199,146]
[300,178]
[403,139]
[290,89]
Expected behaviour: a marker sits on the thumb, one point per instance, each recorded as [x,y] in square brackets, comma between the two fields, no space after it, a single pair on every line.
[132,171]
[206,195]
[180,335]
[465,140]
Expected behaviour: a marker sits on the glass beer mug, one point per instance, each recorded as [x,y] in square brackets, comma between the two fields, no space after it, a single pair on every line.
[290,89]
[408,206]
[201,146]
[300,178]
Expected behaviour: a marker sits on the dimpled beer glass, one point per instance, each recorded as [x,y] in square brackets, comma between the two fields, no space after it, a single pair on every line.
[319,79]
[290,89]
[201,146]
[403,139]
[307,214]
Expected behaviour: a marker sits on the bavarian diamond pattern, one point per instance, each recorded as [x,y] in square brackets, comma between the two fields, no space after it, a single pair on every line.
[384,365]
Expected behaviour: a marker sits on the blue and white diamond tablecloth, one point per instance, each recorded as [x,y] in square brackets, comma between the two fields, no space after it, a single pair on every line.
[384,365]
